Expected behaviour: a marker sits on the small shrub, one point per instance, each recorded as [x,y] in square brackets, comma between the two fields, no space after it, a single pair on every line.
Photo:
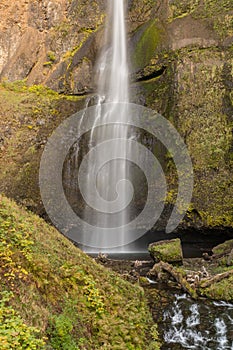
[95,300]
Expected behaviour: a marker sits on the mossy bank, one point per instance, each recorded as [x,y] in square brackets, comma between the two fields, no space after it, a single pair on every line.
[53,296]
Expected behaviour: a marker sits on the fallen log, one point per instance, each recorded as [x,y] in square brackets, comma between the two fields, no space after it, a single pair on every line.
[217,278]
[177,275]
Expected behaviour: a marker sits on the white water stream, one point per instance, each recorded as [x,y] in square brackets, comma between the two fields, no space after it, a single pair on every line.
[199,326]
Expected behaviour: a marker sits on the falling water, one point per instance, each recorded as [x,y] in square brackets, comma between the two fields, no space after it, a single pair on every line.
[113,190]
[113,64]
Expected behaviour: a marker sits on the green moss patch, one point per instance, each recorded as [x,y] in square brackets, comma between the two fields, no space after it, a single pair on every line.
[149,37]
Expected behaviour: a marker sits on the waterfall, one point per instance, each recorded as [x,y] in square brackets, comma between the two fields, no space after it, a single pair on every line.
[107,191]
[113,65]
[95,159]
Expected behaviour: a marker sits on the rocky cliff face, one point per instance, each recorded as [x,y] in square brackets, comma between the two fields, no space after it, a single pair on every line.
[50,42]
[181,59]
[190,82]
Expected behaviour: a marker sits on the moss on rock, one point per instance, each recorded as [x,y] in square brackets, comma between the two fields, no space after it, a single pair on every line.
[219,291]
[194,93]
[223,248]
[169,251]
[28,117]
[182,8]
[147,39]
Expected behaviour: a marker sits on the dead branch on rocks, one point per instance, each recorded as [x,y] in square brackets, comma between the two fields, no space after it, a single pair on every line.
[216,278]
[185,285]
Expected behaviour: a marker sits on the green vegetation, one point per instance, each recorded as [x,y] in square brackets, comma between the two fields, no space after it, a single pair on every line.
[51,56]
[60,296]
[51,59]
[147,44]
[223,264]
[224,247]
[212,8]
[70,54]
[207,132]
[194,95]
[14,333]
[21,86]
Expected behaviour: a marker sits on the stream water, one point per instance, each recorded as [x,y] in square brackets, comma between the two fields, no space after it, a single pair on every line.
[201,325]
[183,323]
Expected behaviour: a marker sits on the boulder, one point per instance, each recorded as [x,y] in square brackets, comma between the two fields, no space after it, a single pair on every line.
[223,248]
[225,252]
[168,251]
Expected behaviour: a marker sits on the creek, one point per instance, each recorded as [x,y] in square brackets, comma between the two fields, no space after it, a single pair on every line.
[199,325]
[183,323]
